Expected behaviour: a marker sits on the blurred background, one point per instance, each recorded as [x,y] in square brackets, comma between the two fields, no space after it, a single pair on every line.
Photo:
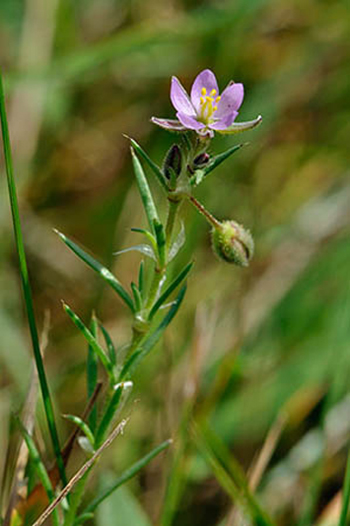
[262,354]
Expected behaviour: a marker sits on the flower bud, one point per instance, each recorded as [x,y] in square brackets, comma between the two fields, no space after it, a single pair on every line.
[201,159]
[173,162]
[233,243]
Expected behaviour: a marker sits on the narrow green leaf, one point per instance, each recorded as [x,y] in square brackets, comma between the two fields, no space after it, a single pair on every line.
[119,390]
[145,192]
[100,269]
[39,468]
[92,372]
[146,250]
[218,159]
[153,338]
[48,406]
[148,235]
[142,279]
[83,426]
[154,167]
[137,297]
[95,346]
[173,285]
[112,352]
[161,243]
[127,475]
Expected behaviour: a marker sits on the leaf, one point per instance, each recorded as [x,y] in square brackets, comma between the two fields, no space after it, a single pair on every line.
[148,344]
[112,352]
[173,285]
[99,268]
[154,167]
[127,475]
[145,192]
[95,346]
[178,243]
[92,372]
[146,250]
[83,426]
[109,414]
[239,127]
[137,297]
[148,235]
[218,159]
[161,243]
[141,278]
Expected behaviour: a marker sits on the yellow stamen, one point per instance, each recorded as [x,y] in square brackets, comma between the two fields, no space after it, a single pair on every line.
[215,108]
[213,92]
[202,100]
[204,91]
[210,99]
[217,99]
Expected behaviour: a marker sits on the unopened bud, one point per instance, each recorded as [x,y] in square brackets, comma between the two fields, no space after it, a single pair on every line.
[173,162]
[201,159]
[233,243]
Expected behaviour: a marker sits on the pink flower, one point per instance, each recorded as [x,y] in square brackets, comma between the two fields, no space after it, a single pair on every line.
[205,111]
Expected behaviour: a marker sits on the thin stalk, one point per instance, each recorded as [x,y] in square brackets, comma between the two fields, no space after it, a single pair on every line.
[26,287]
[208,216]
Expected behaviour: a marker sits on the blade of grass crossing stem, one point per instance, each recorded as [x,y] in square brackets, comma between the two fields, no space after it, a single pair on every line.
[154,167]
[92,372]
[48,406]
[95,346]
[145,192]
[175,283]
[39,468]
[100,269]
[127,475]
[153,338]
[229,481]
[346,495]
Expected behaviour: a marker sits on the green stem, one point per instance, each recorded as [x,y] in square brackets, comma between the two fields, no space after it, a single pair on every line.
[26,287]
[208,216]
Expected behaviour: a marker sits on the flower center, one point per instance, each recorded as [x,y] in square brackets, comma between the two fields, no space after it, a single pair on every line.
[208,105]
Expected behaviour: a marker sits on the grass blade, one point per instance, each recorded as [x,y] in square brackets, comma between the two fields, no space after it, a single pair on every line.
[153,338]
[100,269]
[154,167]
[175,283]
[145,192]
[48,406]
[39,468]
[127,475]
[112,352]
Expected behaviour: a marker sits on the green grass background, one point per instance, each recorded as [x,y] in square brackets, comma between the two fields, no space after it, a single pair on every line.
[252,343]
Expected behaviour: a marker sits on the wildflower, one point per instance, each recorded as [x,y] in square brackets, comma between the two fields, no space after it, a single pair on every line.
[206,110]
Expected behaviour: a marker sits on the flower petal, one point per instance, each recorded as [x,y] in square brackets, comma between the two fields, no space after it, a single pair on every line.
[190,122]
[224,122]
[169,124]
[231,100]
[180,99]
[206,79]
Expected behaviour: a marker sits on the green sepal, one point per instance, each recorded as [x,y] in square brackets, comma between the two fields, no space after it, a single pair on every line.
[218,159]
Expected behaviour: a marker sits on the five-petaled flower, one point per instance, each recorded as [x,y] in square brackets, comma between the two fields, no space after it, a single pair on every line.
[206,111]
